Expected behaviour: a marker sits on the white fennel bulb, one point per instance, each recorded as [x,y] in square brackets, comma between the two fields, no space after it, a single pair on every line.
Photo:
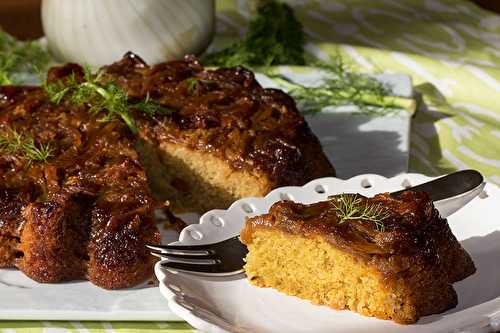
[99,32]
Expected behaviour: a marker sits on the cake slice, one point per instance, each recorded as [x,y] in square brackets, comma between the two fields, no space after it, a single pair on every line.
[388,257]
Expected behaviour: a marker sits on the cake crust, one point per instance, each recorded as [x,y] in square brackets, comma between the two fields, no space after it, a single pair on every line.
[86,212]
[400,271]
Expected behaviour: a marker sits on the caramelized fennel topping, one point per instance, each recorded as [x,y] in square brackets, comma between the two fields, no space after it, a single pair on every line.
[90,188]
[71,144]
[371,228]
[224,111]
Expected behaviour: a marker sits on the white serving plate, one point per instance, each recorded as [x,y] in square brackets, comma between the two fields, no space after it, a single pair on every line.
[346,139]
[233,305]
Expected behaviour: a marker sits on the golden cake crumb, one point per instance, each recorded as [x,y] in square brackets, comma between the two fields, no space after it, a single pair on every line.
[400,271]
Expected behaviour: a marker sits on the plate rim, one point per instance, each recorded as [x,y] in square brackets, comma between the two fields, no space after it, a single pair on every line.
[185,238]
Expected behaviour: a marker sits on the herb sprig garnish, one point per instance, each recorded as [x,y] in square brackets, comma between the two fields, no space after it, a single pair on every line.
[274,37]
[101,97]
[196,85]
[14,142]
[351,207]
[341,86]
[19,56]
[193,85]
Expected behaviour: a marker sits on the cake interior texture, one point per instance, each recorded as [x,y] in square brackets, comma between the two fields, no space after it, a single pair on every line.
[194,181]
[401,273]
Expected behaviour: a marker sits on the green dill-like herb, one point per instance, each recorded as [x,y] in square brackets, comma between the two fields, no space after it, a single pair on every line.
[101,97]
[34,153]
[193,85]
[274,37]
[19,56]
[150,108]
[14,142]
[351,207]
[339,86]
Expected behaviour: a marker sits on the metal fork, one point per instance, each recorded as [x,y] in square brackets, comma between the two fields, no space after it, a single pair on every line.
[449,193]
[216,259]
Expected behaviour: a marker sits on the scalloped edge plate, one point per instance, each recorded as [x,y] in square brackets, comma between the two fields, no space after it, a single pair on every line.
[233,305]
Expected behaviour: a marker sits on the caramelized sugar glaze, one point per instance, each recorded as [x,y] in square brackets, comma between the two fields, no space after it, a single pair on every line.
[87,211]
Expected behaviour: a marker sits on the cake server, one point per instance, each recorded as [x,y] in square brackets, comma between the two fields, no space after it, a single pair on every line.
[451,192]
[448,193]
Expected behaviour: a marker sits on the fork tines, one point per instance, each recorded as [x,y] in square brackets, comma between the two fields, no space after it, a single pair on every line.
[223,258]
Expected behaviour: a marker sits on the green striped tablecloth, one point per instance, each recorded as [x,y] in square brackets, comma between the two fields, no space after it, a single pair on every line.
[451,48]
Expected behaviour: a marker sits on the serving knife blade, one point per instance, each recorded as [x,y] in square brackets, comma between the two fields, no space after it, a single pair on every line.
[451,192]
